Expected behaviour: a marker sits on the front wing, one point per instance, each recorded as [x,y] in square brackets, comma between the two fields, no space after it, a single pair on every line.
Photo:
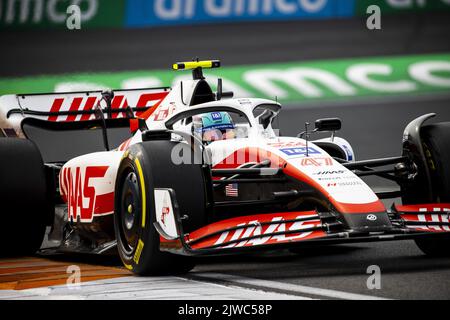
[289,229]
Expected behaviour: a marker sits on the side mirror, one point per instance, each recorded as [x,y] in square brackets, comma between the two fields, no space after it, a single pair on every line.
[222,94]
[328,124]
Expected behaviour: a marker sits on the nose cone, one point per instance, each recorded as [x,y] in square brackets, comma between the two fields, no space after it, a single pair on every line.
[368,222]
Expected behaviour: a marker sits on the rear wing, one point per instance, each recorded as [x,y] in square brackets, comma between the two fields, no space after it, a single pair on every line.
[72,106]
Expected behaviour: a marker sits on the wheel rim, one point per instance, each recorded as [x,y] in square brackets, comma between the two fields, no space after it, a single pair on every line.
[130,212]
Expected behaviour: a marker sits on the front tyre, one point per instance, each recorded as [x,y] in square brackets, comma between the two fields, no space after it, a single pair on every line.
[436,142]
[147,166]
[434,246]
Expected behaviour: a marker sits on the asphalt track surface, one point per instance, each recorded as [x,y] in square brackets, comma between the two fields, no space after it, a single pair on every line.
[374,127]
[405,272]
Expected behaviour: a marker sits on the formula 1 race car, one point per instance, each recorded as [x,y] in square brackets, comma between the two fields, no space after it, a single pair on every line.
[164,175]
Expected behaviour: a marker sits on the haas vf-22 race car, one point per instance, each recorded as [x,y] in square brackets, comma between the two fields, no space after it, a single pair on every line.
[162,176]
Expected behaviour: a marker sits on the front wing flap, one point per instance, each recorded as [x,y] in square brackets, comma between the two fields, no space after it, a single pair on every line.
[425,217]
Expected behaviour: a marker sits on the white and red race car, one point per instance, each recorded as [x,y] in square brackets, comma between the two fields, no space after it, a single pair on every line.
[164,175]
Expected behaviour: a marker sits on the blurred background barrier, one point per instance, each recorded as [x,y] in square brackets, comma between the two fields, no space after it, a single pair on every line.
[26,14]
[402,6]
[292,82]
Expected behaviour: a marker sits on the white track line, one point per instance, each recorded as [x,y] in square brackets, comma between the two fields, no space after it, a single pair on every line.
[286,287]
[275,295]
[155,288]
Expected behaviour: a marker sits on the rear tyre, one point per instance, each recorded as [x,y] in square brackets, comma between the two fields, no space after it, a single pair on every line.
[23,197]
[436,142]
[147,166]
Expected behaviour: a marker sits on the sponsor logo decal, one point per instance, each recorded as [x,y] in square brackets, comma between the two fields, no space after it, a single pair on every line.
[244,101]
[286,144]
[344,184]
[328,178]
[141,13]
[32,14]
[216,116]
[87,103]
[165,209]
[299,151]
[329,172]
[164,213]
[83,202]
[254,228]
[137,254]
[164,111]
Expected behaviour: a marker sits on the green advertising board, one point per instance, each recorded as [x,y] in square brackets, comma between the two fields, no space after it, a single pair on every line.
[292,82]
[40,14]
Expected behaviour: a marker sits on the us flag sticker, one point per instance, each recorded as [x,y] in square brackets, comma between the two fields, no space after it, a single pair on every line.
[231,190]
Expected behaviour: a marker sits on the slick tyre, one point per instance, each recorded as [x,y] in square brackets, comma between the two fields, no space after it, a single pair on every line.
[144,167]
[434,246]
[436,142]
[24,201]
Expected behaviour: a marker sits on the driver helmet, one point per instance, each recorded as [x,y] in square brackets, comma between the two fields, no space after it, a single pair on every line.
[213,126]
